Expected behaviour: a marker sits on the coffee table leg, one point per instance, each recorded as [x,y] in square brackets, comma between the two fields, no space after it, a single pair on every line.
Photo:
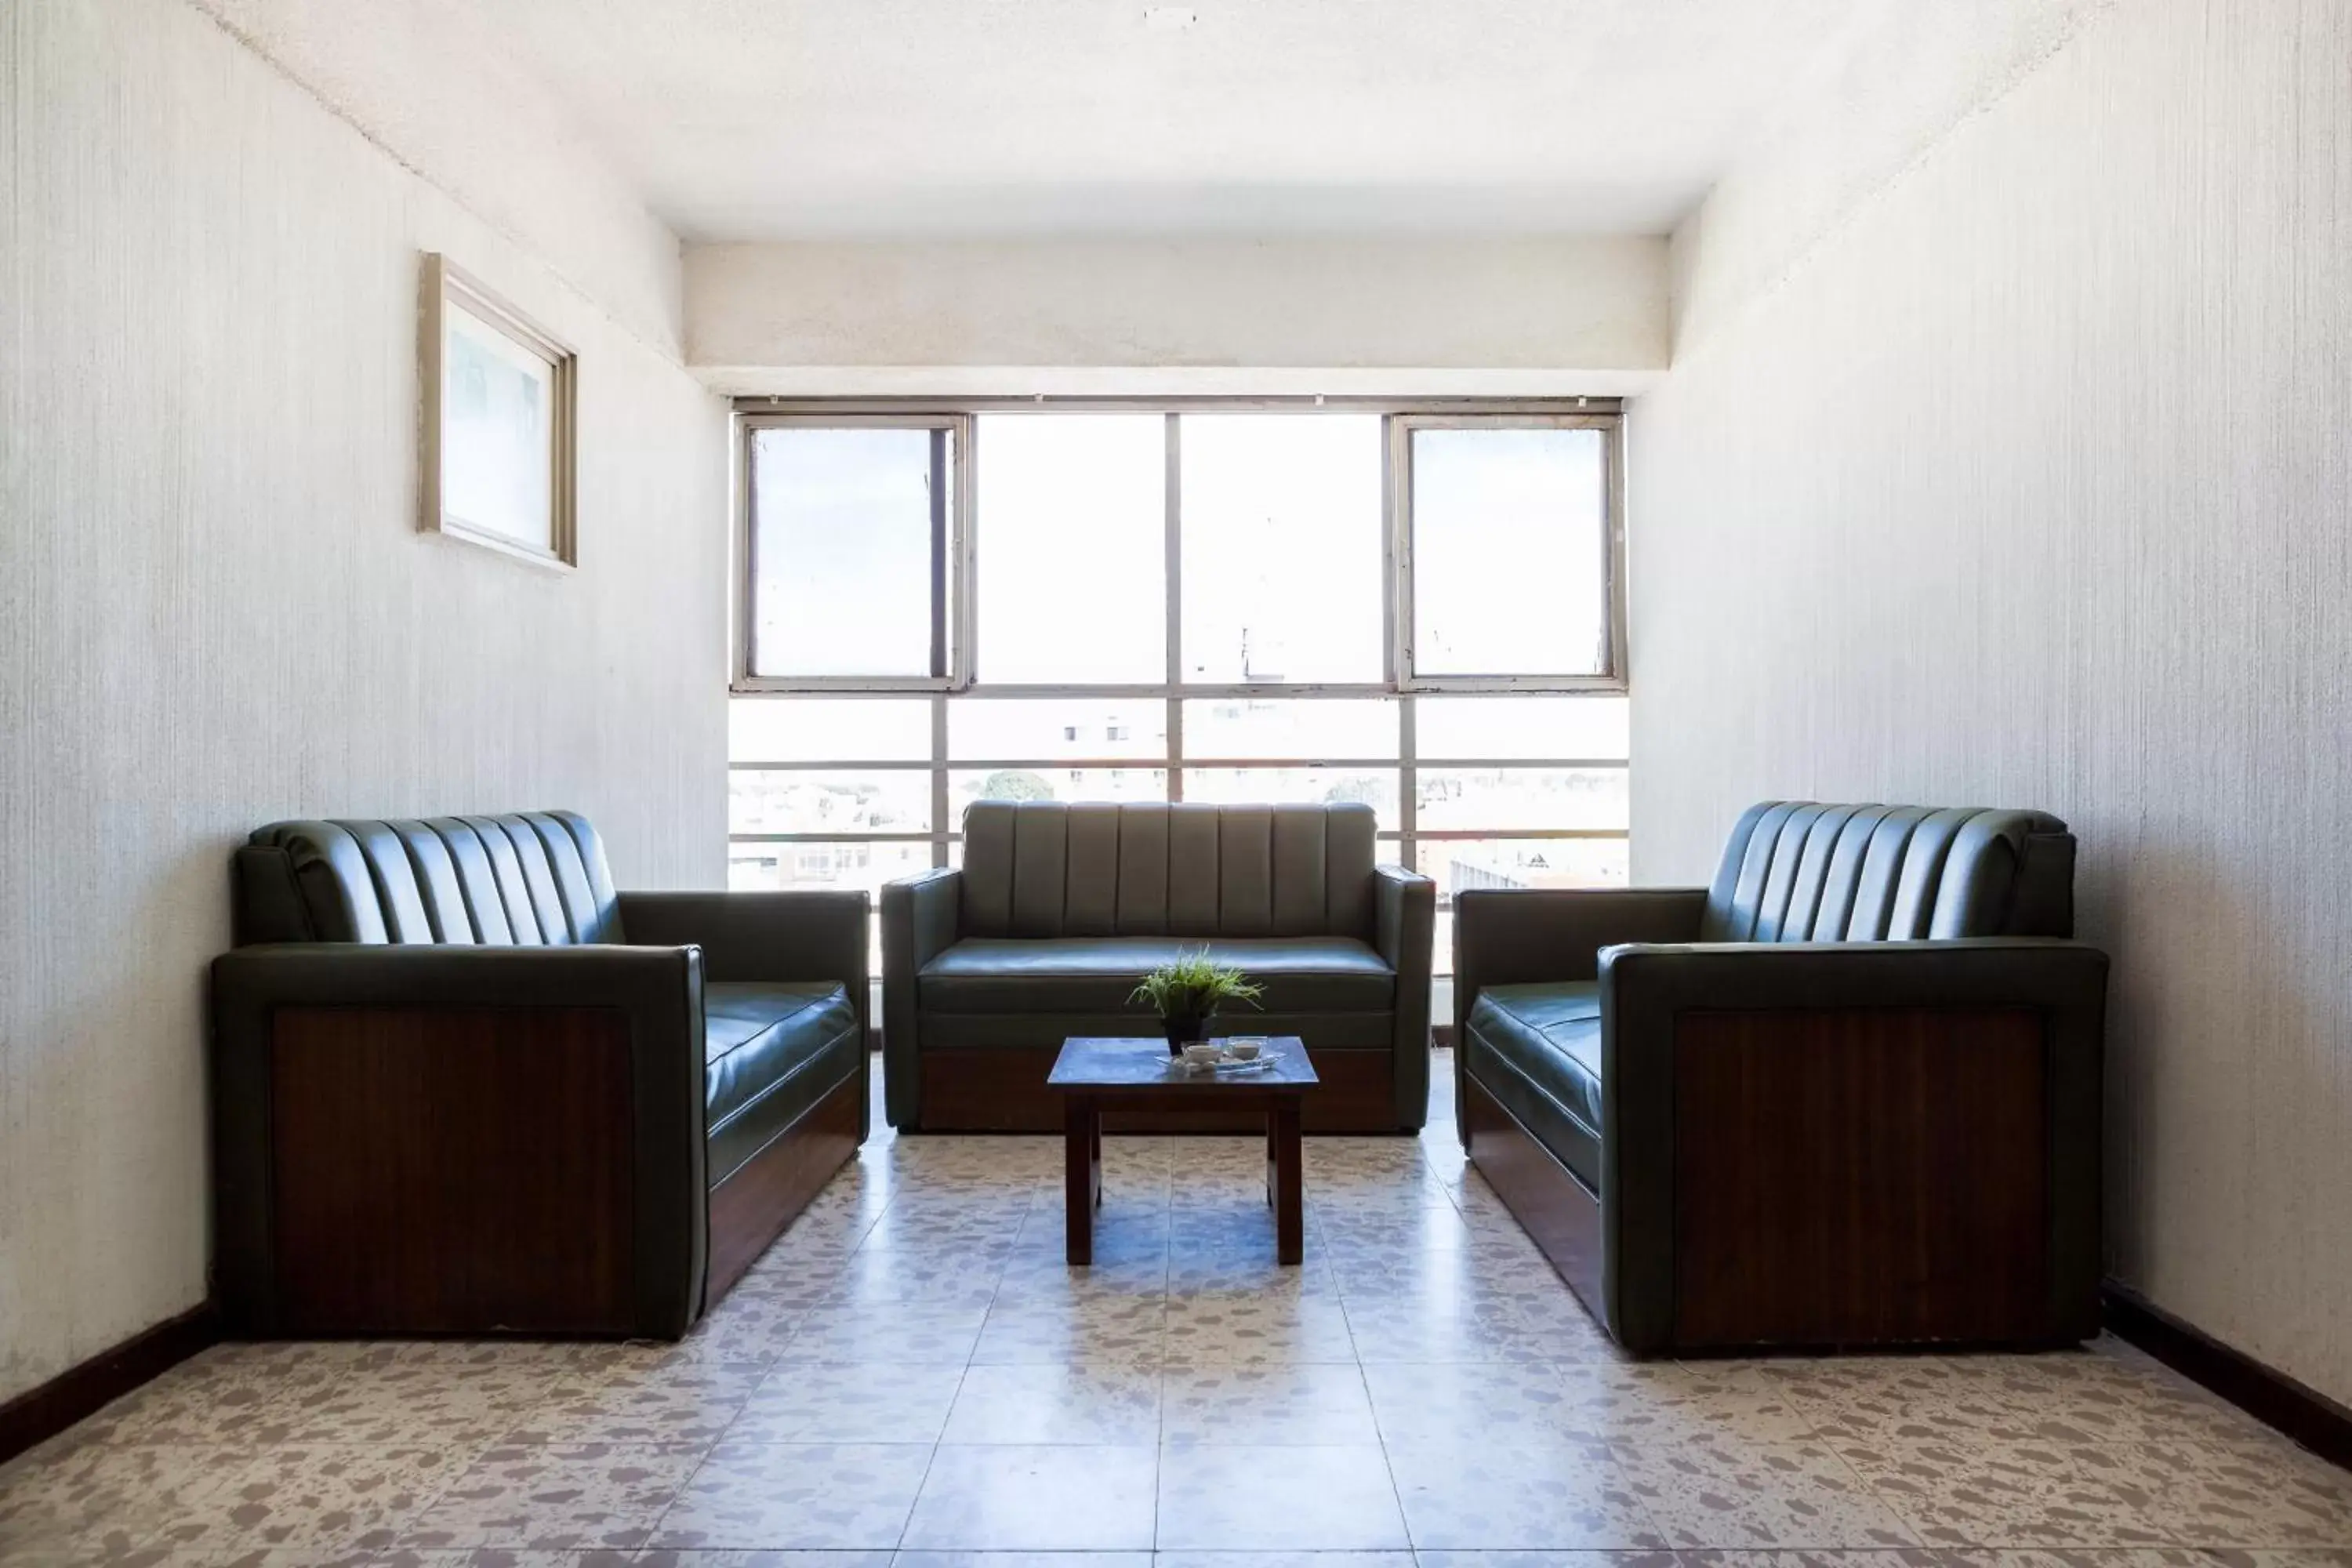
[1273,1181]
[1082,1177]
[1094,1147]
[1289,1182]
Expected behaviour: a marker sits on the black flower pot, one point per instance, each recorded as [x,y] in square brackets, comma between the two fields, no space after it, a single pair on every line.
[1184,1029]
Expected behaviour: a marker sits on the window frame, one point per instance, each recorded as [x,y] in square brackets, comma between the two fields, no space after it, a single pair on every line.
[951,557]
[958,574]
[1400,685]
[1402,428]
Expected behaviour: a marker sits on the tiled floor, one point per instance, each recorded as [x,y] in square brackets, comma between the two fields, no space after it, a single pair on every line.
[912,1370]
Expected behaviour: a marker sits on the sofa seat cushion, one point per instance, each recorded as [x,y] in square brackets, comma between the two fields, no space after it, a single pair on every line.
[1095,975]
[757,1035]
[1545,1038]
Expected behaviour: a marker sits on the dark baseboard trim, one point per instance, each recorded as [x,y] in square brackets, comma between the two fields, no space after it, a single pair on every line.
[2269,1395]
[39,1414]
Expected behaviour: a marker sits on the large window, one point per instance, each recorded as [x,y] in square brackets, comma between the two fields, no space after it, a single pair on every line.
[1417,608]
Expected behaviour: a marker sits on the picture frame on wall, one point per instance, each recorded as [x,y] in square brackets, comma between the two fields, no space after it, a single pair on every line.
[501,422]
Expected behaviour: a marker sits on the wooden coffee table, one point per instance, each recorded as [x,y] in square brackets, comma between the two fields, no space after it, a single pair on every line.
[1094,1075]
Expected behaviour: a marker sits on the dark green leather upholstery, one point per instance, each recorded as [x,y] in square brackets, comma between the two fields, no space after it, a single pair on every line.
[1095,975]
[746,1008]
[1059,909]
[1799,871]
[770,1052]
[1566,1001]
[1539,1052]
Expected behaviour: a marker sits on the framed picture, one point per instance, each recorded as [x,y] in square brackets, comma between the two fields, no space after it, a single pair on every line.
[501,416]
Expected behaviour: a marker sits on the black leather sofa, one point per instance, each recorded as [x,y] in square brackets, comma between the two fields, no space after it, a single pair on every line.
[460,1085]
[1849,1095]
[1059,909]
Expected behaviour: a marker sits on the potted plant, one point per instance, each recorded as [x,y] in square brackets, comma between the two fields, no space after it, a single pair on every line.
[1187,993]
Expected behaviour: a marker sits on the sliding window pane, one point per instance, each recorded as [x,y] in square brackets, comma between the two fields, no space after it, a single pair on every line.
[1454,799]
[844,536]
[1519,725]
[1376,787]
[759,801]
[1509,536]
[1071,536]
[1458,864]
[1127,785]
[1055,729]
[1282,547]
[1304,728]
[828,730]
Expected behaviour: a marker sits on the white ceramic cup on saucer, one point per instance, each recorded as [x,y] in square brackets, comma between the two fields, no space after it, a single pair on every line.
[1203,1054]
[1245,1048]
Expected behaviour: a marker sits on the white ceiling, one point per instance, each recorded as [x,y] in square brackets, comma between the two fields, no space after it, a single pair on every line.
[797,119]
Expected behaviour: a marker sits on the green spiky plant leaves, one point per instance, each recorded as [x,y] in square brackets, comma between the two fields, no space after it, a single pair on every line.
[1194,986]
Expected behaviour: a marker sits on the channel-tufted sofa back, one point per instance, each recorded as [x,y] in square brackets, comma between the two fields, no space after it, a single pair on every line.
[521,878]
[1047,868]
[1800,871]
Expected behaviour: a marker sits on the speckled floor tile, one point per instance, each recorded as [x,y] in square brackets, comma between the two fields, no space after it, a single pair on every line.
[1045,1328]
[690,1400]
[1470,1401]
[797,1495]
[336,1496]
[1037,1499]
[1097,1402]
[1319,1403]
[557,1496]
[752,1327]
[100,1501]
[910,1330]
[1518,1496]
[1757,1495]
[1245,1497]
[2262,1494]
[1991,1493]
[1234,1328]
[913,1375]
[1034,1560]
[850,1401]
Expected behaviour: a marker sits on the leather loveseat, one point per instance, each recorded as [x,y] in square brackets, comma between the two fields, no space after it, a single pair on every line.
[460,1085]
[1848,1095]
[1060,909]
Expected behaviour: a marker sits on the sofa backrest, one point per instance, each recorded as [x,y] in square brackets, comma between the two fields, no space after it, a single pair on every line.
[522,879]
[1800,871]
[1045,868]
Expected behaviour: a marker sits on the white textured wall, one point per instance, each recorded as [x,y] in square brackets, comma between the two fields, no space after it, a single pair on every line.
[2028,481]
[215,610]
[1379,314]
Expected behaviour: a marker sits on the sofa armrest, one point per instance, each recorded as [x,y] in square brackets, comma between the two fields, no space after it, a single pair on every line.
[1507,936]
[1873,990]
[816,935]
[752,936]
[920,916]
[1404,918]
[656,991]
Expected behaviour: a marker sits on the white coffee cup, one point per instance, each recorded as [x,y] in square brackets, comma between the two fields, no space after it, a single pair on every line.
[1202,1054]
[1244,1047]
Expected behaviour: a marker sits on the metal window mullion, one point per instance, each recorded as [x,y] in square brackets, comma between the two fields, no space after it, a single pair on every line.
[939,779]
[1407,782]
[1173,575]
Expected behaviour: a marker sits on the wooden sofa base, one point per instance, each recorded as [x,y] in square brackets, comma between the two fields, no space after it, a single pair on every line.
[752,1207]
[1555,1210]
[1003,1088]
[1862,1179]
[469,1171]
